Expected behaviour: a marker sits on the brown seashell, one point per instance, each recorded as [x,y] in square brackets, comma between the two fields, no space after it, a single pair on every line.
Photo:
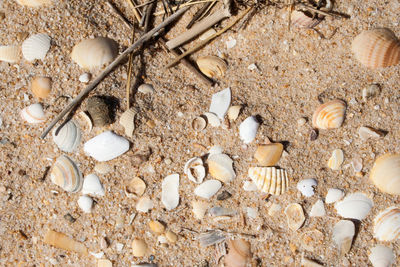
[385,173]
[377,48]
[98,110]
[295,216]
[41,86]
[135,188]
[268,155]
[139,247]
[329,115]
[60,240]
[212,66]
[239,253]
[303,19]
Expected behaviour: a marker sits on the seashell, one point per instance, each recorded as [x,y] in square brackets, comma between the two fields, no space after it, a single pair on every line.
[36,46]
[329,115]
[104,263]
[170,191]
[41,87]
[220,167]
[385,174]
[127,120]
[239,254]
[103,168]
[268,155]
[98,111]
[34,3]
[93,53]
[367,132]
[212,119]
[354,206]
[9,53]
[233,112]
[106,146]
[195,170]
[381,256]
[146,88]
[92,185]
[85,77]
[60,240]
[342,234]
[311,240]
[248,129]
[85,203]
[33,114]
[199,209]
[199,124]
[387,224]
[66,174]
[68,137]
[318,209]
[249,186]
[336,160]
[274,209]
[377,48]
[220,103]
[207,189]
[303,19]
[295,216]
[270,180]
[144,204]
[333,195]
[357,164]
[139,247]
[156,227]
[215,150]
[309,263]
[307,187]
[87,119]
[212,66]
[221,211]
[211,238]
[171,236]
[135,187]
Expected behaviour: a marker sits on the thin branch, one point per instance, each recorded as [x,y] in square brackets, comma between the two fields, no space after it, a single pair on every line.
[130,68]
[198,14]
[183,5]
[336,15]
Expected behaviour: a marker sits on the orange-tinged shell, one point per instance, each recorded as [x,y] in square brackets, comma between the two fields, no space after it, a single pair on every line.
[212,66]
[329,115]
[60,240]
[385,173]
[41,86]
[270,180]
[269,155]
[376,48]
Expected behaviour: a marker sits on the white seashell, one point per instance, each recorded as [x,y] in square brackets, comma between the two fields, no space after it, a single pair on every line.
[103,168]
[231,43]
[333,195]
[336,160]
[85,203]
[33,114]
[387,224]
[195,170]
[248,129]
[354,206]
[146,88]
[33,3]
[170,191]
[66,174]
[68,137]
[127,120]
[233,112]
[381,256]
[342,235]
[212,119]
[199,209]
[207,189]
[367,132]
[249,186]
[36,46]
[106,146]
[270,180]
[85,78]
[92,185]
[252,212]
[307,187]
[295,216]
[92,53]
[215,150]
[318,209]
[9,53]
[220,103]
[144,204]
[98,256]
[220,167]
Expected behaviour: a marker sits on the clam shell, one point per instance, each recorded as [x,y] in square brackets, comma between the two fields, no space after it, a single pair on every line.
[220,103]
[336,160]
[307,187]
[9,53]
[156,227]
[385,174]
[34,3]
[195,170]
[248,129]
[85,203]
[387,224]
[146,88]
[199,124]
[270,180]
[36,46]
[92,53]
[92,185]
[207,189]
[381,256]
[139,248]
[33,114]
[220,167]
[318,209]
[106,146]
[199,209]
[98,111]
[295,216]
[239,254]
[342,234]
[212,119]
[377,48]
[302,19]
[68,137]
[135,187]
[333,195]
[66,174]
[144,204]
[212,66]
[127,120]
[354,206]
[41,86]
[233,112]
[329,115]
[170,191]
[60,240]
[268,155]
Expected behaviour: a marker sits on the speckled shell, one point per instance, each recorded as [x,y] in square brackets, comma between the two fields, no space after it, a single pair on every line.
[212,66]
[34,3]
[98,111]
[36,46]
[270,180]
[66,174]
[329,115]
[303,20]
[387,224]
[9,53]
[127,120]
[385,173]
[41,86]
[33,113]
[376,48]
[68,137]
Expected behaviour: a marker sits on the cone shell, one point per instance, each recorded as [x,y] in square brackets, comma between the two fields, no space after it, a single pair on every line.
[377,48]
[33,114]
[302,19]
[36,46]
[387,224]
[60,240]
[385,173]
[239,253]
[220,167]
[9,53]
[98,110]
[33,3]
[270,180]
[41,87]
[68,137]
[329,115]
[66,174]
[295,216]
[381,256]
[127,120]
[268,155]
[212,66]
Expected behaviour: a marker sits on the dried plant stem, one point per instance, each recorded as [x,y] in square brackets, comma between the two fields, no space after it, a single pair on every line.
[130,68]
[116,10]
[208,10]
[321,11]
[135,11]
[183,5]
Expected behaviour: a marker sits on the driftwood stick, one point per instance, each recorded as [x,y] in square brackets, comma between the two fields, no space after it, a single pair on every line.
[198,14]
[110,67]
[117,11]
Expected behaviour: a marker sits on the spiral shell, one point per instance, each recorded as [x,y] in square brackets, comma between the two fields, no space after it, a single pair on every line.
[36,46]
[66,174]
[68,137]
[98,110]
[9,53]
[270,179]
[329,115]
[33,113]
[212,66]
[385,173]
[387,224]
[41,86]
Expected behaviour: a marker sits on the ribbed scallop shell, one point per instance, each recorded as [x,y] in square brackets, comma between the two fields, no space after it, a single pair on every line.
[385,173]
[98,110]
[33,3]
[376,48]
[329,115]
[127,120]
[92,53]
[41,86]
[212,66]
[66,174]
[36,46]
[68,136]
[270,179]
[9,53]
[33,113]
[387,224]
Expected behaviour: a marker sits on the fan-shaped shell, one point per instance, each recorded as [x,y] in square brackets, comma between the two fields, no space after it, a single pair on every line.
[34,3]
[36,46]
[92,53]
[106,146]
[381,256]
[127,120]
[33,113]
[387,224]
[354,206]
[98,110]
[9,53]
[385,173]
[66,174]
[270,180]
[212,66]
[376,48]
[68,137]
[41,86]
[329,115]
[342,235]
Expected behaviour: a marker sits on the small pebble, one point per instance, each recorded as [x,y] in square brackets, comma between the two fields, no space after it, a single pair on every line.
[119,247]
[85,78]
[224,195]
[301,121]
[146,88]
[252,67]
[171,236]
[313,135]
[69,218]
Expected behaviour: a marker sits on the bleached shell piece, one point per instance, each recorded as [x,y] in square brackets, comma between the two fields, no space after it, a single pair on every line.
[195,170]
[357,164]
[381,256]
[33,114]
[336,160]
[318,209]
[36,46]
[354,206]
[307,187]
[135,187]
[249,186]
[248,129]
[127,120]
[342,234]
[106,146]
[329,115]
[41,86]
[68,137]
[144,204]
[60,240]
[233,112]
[239,253]
[387,224]
[199,124]
[34,3]
[210,238]
[9,53]
[207,189]
[220,167]
[85,203]
[85,77]
[377,48]
[367,132]
[212,119]
[103,168]
[295,216]
[385,174]
[220,103]
[212,66]
[104,263]
[269,180]
[139,247]
[215,150]
[268,155]
[170,191]
[146,88]
[66,174]
[302,20]
[333,195]
[199,209]
[93,53]
[92,185]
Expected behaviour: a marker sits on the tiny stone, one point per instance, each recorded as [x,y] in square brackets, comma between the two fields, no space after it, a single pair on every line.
[377,107]
[85,78]
[224,195]
[301,121]
[313,135]
[104,243]
[69,218]
[146,88]
[252,67]
[151,258]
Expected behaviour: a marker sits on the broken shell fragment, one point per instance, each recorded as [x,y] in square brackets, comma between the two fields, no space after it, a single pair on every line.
[66,174]
[41,86]
[139,248]
[385,174]
[207,189]
[336,160]
[135,187]
[212,119]
[329,115]
[342,235]
[303,19]
[333,195]
[239,253]
[9,53]
[98,110]
[170,191]
[36,46]
[85,77]
[195,170]
[33,3]
[60,240]
[220,103]
[248,129]
[127,120]
[92,185]
[199,209]
[307,187]
[354,206]
[269,180]
[199,124]
[156,227]
[387,224]
[318,209]
[367,132]
[106,146]
[295,216]
[381,256]
[220,167]
[144,204]
[171,236]
[33,114]
[212,66]
[85,203]
[146,88]
[268,155]
[210,238]
[221,211]
[233,112]
[67,137]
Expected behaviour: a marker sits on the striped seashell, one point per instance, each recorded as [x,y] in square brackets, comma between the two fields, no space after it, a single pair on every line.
[387,224]
[66,174]
[303,19]
[212,66]
[98,111]
[41,86]
[68,137]
[385,173]
[270,180]
[33,3]
[329,115]
[9,53]
[36,46]
[127,120]
[377,48]
[33,114]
